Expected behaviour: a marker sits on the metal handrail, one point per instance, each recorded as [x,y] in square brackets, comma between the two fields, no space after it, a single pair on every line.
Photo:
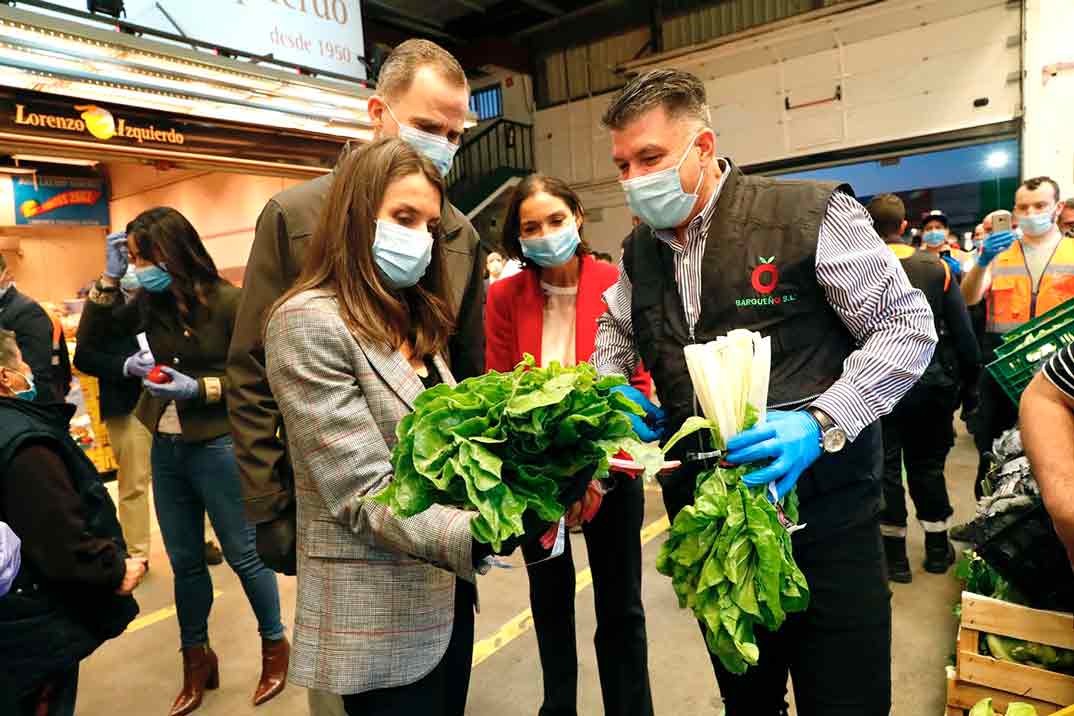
[504,144]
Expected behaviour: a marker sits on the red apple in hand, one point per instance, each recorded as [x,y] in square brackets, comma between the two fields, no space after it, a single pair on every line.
[158,376]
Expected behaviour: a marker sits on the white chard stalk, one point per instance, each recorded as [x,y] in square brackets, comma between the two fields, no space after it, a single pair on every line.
[730,375]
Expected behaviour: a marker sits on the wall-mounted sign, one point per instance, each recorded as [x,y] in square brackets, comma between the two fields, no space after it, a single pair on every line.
[60,200]
[37,121]
[98,122]
[321,34]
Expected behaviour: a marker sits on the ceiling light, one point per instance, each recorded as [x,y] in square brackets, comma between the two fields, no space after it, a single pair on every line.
[997,159]
[17,170]
[53,160]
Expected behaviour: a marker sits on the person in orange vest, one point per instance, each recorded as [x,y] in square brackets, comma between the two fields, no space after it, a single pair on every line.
[1020,275]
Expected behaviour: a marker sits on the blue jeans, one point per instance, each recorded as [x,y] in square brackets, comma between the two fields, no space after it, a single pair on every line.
[188,480]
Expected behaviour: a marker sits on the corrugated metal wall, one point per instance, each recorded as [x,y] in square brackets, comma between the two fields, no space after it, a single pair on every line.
[588,69]
[724,18]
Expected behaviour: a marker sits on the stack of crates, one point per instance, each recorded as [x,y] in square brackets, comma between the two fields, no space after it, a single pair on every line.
[101,451]
[1027,348]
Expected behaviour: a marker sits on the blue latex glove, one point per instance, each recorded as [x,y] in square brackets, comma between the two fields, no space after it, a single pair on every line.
[791,439]
[116,257]
[956,267]
[994,245]
[182,387]
[10,557]
[651,427]
[139,364]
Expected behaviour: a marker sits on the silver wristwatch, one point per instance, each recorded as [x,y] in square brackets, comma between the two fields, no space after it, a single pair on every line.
[832,437]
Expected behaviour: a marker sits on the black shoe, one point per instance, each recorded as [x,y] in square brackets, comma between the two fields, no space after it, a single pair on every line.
[213,555]
[939,552]
[898,564]
[965,533]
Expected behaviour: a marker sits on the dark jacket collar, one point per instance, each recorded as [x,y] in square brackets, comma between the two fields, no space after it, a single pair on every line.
[56,415]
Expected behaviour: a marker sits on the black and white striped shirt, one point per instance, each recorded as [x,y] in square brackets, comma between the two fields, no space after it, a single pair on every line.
[890,320]
[1060,370]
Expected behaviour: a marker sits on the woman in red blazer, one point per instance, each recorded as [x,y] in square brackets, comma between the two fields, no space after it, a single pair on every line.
[550,310]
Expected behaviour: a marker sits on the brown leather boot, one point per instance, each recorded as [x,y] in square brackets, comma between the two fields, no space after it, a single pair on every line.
[275,656]
[201,671]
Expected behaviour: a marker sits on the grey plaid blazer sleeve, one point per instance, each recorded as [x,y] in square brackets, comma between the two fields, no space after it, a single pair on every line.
[340,415]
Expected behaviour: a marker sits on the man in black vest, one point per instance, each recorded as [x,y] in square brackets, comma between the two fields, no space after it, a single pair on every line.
[799,262]
[920,431]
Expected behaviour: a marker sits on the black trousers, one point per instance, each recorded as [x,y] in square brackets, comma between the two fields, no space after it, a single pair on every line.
[838,651]
[441,692]
[920,432]
[614,548]
[996,414]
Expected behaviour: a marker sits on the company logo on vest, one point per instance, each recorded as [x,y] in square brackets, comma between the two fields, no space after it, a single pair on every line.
[765,280]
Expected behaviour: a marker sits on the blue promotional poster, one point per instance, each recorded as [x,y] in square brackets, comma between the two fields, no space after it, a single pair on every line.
[60,200]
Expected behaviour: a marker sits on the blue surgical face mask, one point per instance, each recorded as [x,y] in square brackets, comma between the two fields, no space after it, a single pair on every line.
[129,282]
[1036,224]
[153,278]
[936,237]
[30,393]
[553,249]
[658,198]
[402,254]
[436,149]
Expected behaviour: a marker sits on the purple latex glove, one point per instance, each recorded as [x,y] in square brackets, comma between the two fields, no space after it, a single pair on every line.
[139,364]
[10,557]
[182,387]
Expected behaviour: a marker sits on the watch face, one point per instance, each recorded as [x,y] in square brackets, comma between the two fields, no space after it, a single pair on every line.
[835,439]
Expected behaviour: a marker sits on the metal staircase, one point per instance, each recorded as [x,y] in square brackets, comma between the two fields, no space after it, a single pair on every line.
[489,163]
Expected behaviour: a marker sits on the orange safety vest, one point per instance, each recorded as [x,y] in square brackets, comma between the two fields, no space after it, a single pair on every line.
[1011,300]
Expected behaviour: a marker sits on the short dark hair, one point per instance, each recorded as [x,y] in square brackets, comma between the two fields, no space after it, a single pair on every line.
[888,212]
[1035,183]
[8,347]
[511,240]
[1067,204]
[397,72]
[681,94]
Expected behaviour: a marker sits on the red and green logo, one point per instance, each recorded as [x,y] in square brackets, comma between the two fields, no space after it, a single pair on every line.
[765,277]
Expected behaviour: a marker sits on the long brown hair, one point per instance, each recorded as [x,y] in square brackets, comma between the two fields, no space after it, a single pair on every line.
[512,223]
[166,238]
[340,256]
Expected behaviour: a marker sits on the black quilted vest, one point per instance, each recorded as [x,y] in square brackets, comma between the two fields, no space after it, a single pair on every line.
[758,273]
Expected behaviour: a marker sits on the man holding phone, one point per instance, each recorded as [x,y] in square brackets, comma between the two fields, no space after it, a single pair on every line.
[1021,275]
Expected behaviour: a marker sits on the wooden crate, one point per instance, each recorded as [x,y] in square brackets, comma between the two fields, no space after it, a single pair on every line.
[979,677]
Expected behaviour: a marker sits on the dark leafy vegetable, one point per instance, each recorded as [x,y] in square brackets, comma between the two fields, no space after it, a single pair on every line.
[503,443]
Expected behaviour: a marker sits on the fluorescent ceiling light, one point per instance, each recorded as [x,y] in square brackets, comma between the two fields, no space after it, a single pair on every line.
[17,170]
[54,160]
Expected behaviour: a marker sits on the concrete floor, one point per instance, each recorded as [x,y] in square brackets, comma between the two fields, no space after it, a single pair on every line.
[140,673]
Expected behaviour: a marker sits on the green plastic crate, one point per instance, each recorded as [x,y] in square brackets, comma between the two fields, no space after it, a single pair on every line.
[1017,361]
[1061,312]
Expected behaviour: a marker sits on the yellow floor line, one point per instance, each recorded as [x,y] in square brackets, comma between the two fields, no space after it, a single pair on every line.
[524,621]
[156,617]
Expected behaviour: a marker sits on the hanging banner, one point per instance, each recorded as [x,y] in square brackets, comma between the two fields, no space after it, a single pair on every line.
[60,200]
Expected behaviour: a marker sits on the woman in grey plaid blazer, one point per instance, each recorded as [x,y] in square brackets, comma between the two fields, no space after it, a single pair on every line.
[385,606]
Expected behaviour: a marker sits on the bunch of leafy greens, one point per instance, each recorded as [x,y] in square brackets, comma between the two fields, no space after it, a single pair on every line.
[728,555]
[503,443]
[979,577]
